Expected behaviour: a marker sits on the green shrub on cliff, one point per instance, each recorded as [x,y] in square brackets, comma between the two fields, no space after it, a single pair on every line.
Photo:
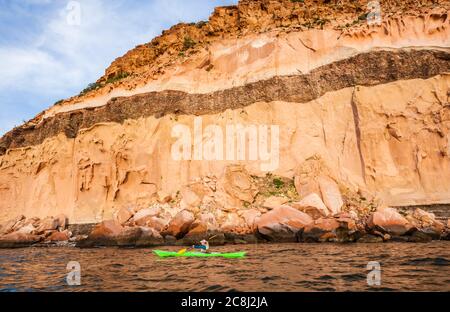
[188,43]
[90,87]
[278,183]
[120,76]
[201,24]
[95,85]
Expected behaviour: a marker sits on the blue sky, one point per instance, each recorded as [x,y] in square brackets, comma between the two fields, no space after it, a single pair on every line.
[44,57]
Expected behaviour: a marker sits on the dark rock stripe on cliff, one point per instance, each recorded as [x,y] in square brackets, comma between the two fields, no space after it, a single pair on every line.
[366,69]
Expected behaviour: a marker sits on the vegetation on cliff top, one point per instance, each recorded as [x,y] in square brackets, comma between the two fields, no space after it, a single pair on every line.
[97,85]
[246,17]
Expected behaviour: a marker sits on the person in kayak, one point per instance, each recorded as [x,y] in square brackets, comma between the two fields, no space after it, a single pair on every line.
[203,247]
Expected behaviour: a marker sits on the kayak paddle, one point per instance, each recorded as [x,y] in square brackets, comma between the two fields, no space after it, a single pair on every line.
[182,251]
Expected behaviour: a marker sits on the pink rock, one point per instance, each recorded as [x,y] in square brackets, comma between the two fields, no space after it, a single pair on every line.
[331,194]
[423,215]
[47,224]
[143,221]
[9,225]
[238,183]
[250,216]
[128,236]
[324,224]
[149,237]
[273,202]
[123,215]
[107,228]
[390,221]
[198,229]
[163,197]
[313,206]
[307,188]
[28,229]
[103,234]
[426,223]
[209,219]
[19,225]
[282,223]
[62,221]
[156,223]
[190,198]
[59,237]
[17,240]
[321,230]
[233,223]
[145,215]
[180,224]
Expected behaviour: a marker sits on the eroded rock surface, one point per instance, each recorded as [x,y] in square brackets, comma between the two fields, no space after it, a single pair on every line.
[361,109]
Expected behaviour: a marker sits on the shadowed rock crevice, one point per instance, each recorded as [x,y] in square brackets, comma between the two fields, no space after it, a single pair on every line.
[358,135]
[74,122]
[366,69]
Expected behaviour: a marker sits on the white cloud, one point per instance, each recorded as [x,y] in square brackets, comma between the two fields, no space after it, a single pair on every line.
[63,55]
[33,69]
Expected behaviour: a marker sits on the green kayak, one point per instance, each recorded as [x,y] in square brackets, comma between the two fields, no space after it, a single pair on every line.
[165,254]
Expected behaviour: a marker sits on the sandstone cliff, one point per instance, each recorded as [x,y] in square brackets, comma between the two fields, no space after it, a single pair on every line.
[371,102]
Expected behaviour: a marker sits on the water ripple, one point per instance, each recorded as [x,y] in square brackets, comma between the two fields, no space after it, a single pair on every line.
[283,267]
